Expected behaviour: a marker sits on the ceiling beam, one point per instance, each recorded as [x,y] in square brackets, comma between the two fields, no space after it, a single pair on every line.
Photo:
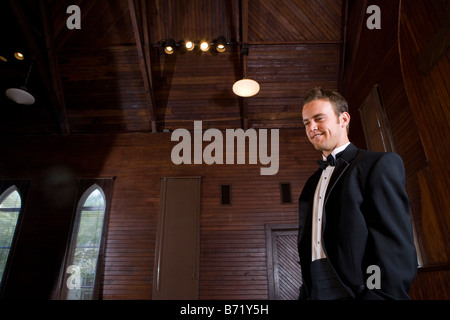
[144,60]
[51,82]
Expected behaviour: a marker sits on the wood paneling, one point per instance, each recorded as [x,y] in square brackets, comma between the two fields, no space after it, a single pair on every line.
[103,24]
[112,76]
[193,19]
[429,97]
[112,87]
[432,283]
[417,110]
[376,62]
[194,86]
[293,45]
[233,263]
[285,73]
[297,20]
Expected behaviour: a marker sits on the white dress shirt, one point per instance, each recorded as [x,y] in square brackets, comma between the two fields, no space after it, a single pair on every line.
[319,198]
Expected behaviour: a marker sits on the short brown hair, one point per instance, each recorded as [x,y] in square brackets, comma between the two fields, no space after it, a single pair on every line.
[335,98]
[338,102]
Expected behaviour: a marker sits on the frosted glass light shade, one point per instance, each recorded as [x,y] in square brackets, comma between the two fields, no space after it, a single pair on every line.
[246,87]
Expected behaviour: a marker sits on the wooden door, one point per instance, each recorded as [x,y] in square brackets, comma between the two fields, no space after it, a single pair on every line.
[284,273]
[177,244]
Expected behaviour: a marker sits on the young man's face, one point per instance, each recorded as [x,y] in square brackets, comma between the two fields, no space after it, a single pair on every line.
[324,128]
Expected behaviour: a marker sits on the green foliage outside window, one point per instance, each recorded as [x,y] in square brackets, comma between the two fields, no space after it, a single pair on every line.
[87,247]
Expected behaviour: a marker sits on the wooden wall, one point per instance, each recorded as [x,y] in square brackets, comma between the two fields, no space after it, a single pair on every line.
[233,245]
[417,109]
[233,242]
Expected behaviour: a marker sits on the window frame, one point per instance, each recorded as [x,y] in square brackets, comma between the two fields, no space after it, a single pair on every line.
[22,187]
[86,187]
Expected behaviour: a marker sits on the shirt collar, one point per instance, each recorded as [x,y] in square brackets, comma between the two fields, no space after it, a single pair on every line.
[337,150]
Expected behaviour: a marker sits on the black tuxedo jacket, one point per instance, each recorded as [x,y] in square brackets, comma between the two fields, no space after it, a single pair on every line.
[366,221]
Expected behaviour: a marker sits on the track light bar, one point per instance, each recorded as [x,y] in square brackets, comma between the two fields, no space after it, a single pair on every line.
[170,45]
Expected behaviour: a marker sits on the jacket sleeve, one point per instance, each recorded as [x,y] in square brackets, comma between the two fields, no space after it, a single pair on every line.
[390,243]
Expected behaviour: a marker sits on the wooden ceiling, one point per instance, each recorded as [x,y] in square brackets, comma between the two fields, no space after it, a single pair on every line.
[111,76]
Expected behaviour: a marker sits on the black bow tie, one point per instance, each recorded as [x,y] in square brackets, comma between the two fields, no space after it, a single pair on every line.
[329,162]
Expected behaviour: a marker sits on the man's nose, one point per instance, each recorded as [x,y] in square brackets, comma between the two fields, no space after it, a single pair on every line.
[313,126]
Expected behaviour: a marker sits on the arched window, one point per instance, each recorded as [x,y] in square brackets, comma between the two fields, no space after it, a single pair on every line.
[85,245]
[10,204]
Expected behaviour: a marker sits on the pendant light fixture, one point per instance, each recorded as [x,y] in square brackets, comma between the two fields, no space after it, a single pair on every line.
[245,87]
[21,95]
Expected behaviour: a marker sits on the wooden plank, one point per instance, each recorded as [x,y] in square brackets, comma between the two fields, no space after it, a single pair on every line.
[297,20]
[232,238]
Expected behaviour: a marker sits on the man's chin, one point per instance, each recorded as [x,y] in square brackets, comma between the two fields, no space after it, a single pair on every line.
[320,147]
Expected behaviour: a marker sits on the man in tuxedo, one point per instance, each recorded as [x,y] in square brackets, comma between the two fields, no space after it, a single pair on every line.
[355,237]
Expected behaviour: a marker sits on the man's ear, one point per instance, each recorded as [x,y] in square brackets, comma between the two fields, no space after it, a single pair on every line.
[345,119]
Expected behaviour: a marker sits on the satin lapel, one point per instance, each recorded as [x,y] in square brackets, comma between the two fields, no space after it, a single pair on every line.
[342,164]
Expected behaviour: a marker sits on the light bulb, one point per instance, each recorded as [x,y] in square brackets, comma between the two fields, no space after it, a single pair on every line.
[189,45]
[18,55]
[204,46]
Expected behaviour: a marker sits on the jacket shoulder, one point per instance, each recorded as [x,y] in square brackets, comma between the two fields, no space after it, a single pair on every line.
[374,162]
[374,156]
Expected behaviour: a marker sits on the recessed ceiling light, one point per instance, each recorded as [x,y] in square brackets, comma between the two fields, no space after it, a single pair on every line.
[18,55]
[204,46]
[169,46]
[221,43]
[189,45]
[3,58]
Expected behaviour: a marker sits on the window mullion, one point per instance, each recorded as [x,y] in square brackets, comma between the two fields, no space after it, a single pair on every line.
[85,247]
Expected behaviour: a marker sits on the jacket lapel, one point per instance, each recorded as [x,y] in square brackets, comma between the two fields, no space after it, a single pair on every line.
[342,164]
